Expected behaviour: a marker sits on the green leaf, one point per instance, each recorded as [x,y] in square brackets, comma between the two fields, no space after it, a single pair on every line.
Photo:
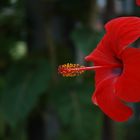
[26,81]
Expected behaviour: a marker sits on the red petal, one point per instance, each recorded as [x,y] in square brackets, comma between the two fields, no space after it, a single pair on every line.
[105,96]
[121,32]
[138,2]
[103,54]
[105,80]
[102,58]
[128,84]
[109,103]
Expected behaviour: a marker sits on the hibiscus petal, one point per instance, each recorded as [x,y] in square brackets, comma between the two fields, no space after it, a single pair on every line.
[104,58]
[128,84]
[109,103]
[138,2]
[104,95]
[103,54]
[121,32]
[102,75]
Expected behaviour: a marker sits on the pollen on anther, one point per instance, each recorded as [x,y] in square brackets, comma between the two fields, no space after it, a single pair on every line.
[70,70]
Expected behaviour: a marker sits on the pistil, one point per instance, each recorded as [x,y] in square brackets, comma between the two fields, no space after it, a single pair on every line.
[71,70]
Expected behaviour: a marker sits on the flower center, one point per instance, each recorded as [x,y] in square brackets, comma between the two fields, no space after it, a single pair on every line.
[117,71]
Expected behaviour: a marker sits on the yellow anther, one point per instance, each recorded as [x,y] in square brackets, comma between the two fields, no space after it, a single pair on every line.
[70,70]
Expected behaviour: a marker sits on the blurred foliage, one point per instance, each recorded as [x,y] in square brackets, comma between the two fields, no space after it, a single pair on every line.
[79,118]
[86,39]
[76,9]
[25,82]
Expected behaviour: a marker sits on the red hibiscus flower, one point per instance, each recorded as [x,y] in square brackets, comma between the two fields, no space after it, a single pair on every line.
[122,82]
[117,68]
